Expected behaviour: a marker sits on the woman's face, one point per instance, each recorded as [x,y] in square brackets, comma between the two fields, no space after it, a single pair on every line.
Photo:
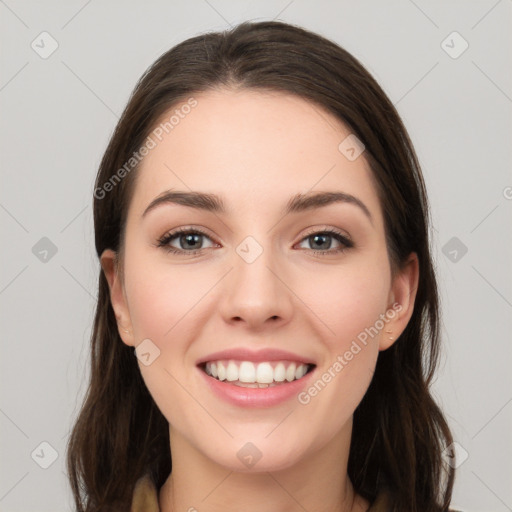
[264,271]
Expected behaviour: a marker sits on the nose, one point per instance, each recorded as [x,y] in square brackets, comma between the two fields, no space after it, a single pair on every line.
[256,294]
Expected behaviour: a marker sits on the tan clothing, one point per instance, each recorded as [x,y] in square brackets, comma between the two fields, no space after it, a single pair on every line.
[145,498]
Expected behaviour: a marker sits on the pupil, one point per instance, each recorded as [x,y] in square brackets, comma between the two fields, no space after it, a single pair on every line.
[191,239]
[321,239]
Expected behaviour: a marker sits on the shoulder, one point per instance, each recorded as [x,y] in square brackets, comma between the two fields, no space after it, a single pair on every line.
[145,496]
[383,503]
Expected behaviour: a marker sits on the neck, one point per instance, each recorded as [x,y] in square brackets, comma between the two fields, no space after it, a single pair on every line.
[318,483]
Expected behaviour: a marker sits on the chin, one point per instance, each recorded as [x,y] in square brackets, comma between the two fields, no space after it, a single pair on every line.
[263,455]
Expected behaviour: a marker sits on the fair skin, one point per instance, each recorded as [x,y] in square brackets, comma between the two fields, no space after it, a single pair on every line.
[256,150]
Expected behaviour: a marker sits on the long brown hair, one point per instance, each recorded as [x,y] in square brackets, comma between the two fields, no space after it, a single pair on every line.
[399,432]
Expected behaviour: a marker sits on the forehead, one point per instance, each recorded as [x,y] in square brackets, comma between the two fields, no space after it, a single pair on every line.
[251,147]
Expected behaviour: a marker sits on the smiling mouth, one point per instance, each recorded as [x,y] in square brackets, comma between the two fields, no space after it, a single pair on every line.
[261,375]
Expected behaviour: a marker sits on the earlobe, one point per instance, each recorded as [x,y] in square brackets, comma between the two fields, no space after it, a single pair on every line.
[401,301]
[109,264]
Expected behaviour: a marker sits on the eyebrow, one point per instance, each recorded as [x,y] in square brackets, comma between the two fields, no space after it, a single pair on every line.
[215,204]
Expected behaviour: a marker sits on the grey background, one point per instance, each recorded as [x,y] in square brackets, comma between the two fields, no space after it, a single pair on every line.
[58,113]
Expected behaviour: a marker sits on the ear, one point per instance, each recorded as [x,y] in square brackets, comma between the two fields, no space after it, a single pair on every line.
[109,264]
[401,301]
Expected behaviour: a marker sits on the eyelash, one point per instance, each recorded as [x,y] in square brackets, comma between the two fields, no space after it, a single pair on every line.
[164,241]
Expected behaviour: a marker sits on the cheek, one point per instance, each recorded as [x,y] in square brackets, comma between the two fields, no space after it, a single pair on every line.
[350,303]
[347,299]
[161,297]
[162,301]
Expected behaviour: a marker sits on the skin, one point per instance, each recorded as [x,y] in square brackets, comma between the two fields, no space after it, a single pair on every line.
[256,150]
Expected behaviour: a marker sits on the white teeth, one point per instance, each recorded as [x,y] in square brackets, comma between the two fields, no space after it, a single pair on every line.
[290,372]
[247,372]
[232,372]
[246,384]
[265,373]
[254,375]
[279,372]
[300,371]
[221,371]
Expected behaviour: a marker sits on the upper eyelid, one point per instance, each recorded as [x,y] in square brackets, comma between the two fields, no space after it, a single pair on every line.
[173,233]
[329,230]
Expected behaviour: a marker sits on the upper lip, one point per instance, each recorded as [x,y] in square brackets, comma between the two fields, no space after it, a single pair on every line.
[246,354]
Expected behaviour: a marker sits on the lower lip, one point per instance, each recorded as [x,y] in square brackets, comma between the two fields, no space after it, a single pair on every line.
[256,397]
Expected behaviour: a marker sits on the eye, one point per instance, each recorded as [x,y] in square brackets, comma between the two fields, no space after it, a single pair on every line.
[322,242]
[185,241]
[192,241]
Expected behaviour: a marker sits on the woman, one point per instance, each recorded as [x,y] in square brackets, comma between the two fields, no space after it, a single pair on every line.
[267,322]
